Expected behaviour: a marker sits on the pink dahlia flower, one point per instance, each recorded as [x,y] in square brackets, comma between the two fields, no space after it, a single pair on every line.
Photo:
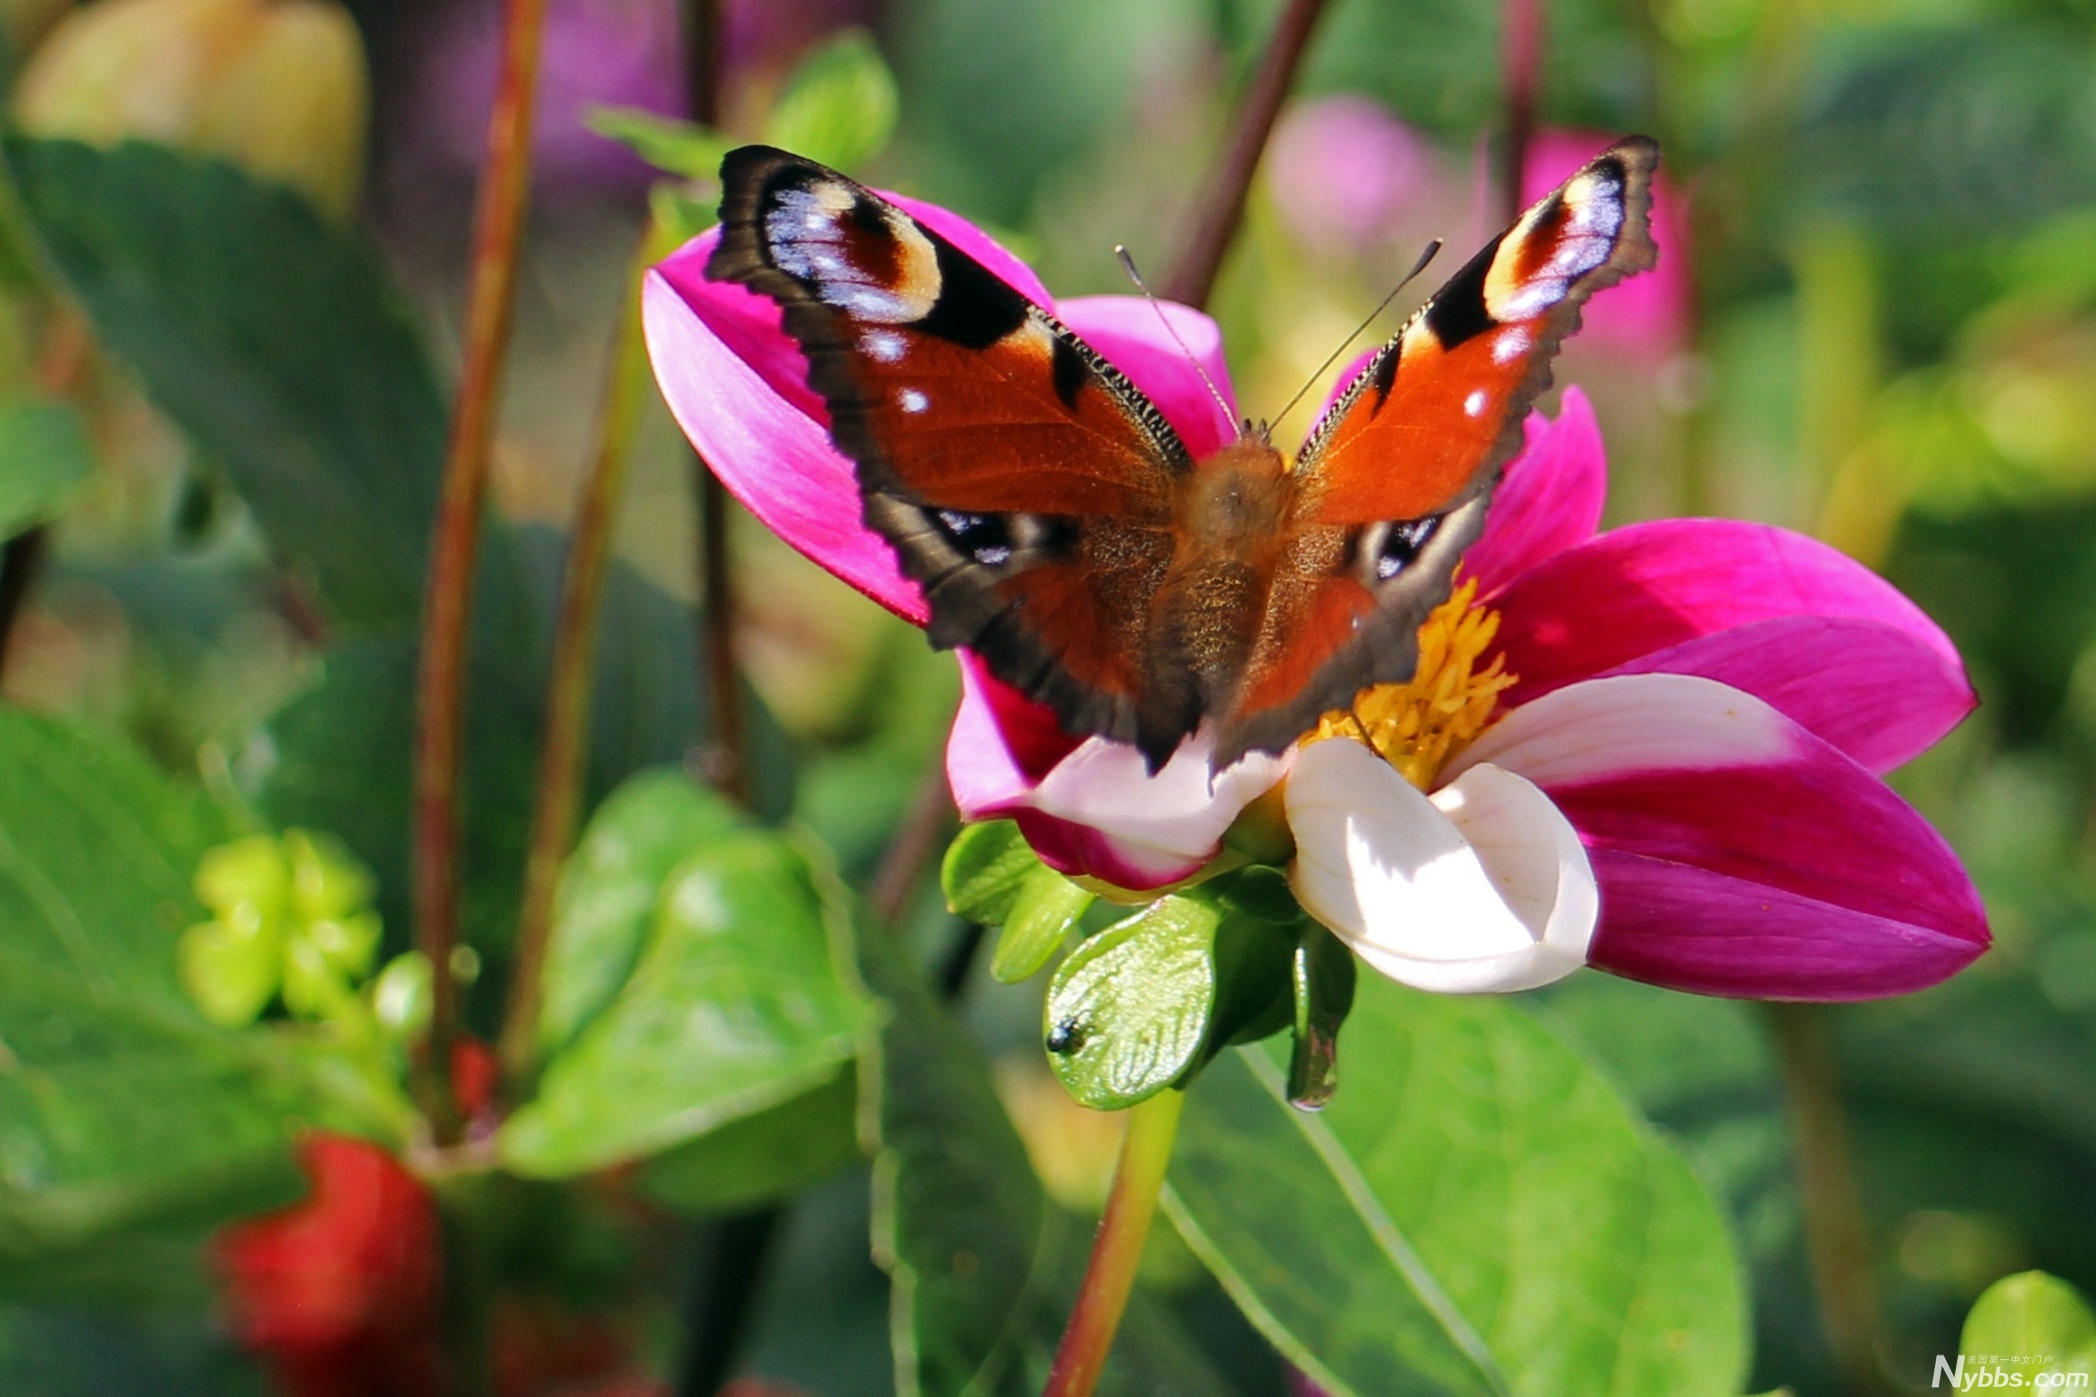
[1655,750]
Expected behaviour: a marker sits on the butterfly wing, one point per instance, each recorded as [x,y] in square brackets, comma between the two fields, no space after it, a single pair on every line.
[1024,482]
[1393,482]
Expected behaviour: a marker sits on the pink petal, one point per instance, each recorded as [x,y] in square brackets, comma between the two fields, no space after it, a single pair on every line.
[1091,807]
[1001,746]
[1879,694]
[771,454]
[1632,592]
[1128,331]
[1737,853]
[1550,499]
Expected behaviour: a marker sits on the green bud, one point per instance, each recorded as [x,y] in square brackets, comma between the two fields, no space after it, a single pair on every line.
[326,879]
[313,987]
[245,880]
[278,87]
[229,971]
[400,995]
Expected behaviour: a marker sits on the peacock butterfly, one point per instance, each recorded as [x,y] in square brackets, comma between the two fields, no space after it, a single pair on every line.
[1060,528]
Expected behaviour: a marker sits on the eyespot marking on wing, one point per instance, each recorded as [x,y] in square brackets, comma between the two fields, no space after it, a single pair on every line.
[995,540]
[851,253]
[1385,550]
[1579,225]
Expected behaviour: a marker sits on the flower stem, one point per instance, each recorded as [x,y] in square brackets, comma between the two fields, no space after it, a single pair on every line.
[1836,1235]
[1118,1248]
[1521,57]
[498,225]
[561,763]
[1215,225]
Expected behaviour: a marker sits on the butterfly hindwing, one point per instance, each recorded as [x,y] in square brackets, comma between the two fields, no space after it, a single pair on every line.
[1393,483]
[1023,481]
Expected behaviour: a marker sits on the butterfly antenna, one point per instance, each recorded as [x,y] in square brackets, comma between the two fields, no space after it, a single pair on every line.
[1128,266]
[1426,256]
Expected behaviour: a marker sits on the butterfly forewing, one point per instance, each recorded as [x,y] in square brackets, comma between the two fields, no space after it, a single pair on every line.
[1393,482]
[1023,481]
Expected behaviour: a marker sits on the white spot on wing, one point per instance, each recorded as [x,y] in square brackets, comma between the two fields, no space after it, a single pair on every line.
[912,400]
[1474,405]
[1510,345]
[884,345]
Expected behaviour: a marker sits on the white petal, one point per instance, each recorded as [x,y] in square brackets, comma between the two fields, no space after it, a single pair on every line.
[1179,814]
[1482,888]
[1600,728]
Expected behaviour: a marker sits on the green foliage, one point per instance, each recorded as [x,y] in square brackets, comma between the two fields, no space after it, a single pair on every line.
[2037,1322]
[681,148]
[44,455]
[737,1002]
[611,887]
[764,1157]
[992,877]
[274,339]
[1480,1214]
[982,1264]
[1140,1006]
[124,1117]
[839,107]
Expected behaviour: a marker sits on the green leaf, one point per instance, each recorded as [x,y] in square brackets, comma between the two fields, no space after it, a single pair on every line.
[675,147]
[121,1110]
[1477,1212]
[43,455]
[610,887]
[761,1158]
[984,869]
[273,337]
[984,1267]
[2031,1324]
[1045,911]
[736,1005]
[1141,1005]
[839,107]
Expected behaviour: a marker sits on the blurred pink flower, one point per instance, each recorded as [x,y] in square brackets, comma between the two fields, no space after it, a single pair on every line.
[596,52]
[1647,315]
[1678,782]
[1342,169]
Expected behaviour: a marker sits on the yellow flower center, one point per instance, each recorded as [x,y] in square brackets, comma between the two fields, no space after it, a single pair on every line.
[1418,725]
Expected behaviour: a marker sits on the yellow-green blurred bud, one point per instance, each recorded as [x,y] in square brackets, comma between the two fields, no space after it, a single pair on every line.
[23,22]
[326,879]
[401,994]
[230,970]
[276,86]
[244,881]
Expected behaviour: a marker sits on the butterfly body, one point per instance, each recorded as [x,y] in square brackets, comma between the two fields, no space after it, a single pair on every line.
[1061,529]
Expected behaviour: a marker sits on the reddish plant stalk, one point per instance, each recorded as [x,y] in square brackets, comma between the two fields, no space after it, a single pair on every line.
[1215,225]
[726,757]
[1110,1273]
[1521,59]
[498,229]
[557,793]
